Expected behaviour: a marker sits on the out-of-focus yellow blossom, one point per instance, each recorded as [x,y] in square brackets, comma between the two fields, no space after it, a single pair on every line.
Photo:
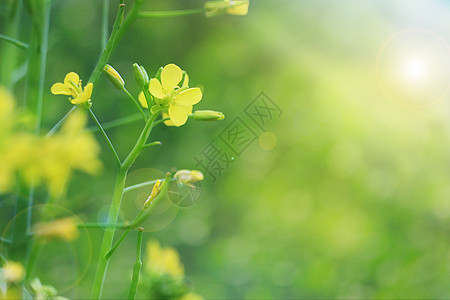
[155,192]
[188,176]
[48,160]
[13,272]
[176,101]
[231,7]
[43,292]
[163,260]
[191,296]
[72,87]
[65,229]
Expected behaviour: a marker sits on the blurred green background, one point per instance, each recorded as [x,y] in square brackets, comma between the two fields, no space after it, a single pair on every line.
[354,199]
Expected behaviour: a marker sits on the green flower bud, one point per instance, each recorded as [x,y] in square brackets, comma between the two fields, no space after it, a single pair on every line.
[114,77]
[140,75]
[208,115]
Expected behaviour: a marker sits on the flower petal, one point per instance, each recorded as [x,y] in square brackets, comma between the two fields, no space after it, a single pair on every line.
[156,89]
[142,100]
[189,97]
[61,89]
[84,96]
[71,77]
[167,122]
[178,115]
[171,75]
[88,89]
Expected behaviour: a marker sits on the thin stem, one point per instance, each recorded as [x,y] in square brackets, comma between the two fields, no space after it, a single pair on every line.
[105,18]
[102,226]
[140,185]
[3,259]
[111,146]
[32,257]
[149,145]
[9,54]
[117,244]
[3,240]
[135,102]
[172,13]
[119,29]
[116,123]
[60,122]
[137,265]
[14,42]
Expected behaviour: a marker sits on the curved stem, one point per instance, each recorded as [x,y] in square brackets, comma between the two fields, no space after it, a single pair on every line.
[172,13]
[111,146]
[117,244]
[60,122]
[135,102]
[116,123]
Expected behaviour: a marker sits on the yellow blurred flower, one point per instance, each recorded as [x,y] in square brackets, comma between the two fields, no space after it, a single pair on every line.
[65,229]
[191,296]
[163,260]
[176,101]
[231,7]
[48,160]
[72,87]
[13,272]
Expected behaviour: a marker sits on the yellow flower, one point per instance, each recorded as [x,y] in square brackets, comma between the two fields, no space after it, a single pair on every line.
[13,272]
[155,192]
[176,101]
[163,260]
[188,176]
[72,87]
[231,7]
[65,229]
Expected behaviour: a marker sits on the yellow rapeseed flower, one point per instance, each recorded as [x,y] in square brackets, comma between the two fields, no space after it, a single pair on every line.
[191,296]
[65,229]
[72,87]
[163,260]
[176,101]
[13,271]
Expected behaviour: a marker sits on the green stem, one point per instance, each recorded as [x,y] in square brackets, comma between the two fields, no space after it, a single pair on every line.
[137,265]
[116,123]
[3,240]
[143,184]
[135,102]
[14,42]
[102,226]
[32,257]
[60,122]
[105,18]
[119,29]
[117,244]
[9,54]
[111,146]
[149,145]
[119,186]
[173,13]
[109,234]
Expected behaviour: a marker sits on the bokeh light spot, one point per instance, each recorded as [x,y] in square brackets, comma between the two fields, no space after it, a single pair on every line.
[267,141]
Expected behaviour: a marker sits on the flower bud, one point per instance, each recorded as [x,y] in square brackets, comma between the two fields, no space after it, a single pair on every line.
[155,192]
[140,75]
[231,7]
[208,115]
[188,176]
[114,77]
